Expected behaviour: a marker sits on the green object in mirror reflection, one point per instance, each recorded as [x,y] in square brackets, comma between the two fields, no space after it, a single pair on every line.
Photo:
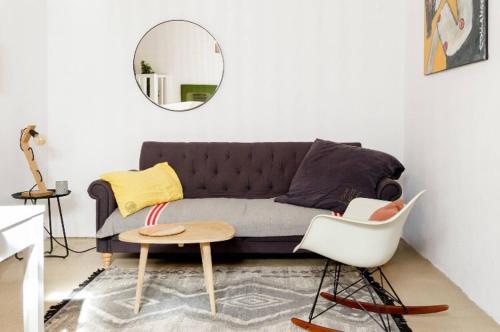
[197,92]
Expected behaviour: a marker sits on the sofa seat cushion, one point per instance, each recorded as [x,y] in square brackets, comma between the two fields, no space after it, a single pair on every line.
[250,217]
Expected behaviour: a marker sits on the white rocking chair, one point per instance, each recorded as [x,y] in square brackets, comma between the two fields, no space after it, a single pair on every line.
[367,245]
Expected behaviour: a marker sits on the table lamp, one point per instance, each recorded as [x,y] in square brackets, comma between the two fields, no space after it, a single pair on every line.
[26,134]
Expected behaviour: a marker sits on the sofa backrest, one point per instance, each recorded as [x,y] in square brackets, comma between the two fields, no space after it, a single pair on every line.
[236,170]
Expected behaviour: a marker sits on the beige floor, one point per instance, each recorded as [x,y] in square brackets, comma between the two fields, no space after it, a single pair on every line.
[417,281]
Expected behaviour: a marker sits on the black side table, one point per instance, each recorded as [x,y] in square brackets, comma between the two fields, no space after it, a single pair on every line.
[49,231]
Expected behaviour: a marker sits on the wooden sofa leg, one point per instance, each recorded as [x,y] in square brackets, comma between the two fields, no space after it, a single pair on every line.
[106,259]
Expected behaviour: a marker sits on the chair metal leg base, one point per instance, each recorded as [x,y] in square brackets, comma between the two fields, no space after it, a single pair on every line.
[308,326]
[311,327]
[379,312]
[311,314]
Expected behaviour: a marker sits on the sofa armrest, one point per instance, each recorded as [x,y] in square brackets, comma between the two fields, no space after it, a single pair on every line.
[105,201]
[388,190]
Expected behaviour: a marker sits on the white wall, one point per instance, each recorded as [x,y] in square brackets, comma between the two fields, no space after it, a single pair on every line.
[23,94]
[451,149]
[293,71]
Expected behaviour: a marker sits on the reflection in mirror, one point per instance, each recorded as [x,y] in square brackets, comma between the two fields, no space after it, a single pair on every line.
[178,65]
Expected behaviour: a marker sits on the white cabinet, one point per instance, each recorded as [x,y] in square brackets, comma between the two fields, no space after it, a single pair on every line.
[21,228]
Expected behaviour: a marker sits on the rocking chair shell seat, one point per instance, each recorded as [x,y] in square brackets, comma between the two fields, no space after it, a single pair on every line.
[353,239]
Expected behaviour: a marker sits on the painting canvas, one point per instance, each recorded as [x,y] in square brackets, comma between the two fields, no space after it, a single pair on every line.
[456,33]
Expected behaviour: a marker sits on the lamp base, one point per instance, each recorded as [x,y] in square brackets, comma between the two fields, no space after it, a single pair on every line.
[36,194]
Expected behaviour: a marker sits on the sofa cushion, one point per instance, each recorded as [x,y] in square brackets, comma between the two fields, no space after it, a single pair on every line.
[388,211]
[250,217]
[137,190]
[332,174]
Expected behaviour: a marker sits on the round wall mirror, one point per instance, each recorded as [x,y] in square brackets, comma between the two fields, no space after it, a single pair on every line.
[178,65]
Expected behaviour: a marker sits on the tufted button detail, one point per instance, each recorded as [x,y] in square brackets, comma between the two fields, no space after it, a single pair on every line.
[226,188]
[248,187]
[206,156]
[238,171]
[260,171]
[227,156]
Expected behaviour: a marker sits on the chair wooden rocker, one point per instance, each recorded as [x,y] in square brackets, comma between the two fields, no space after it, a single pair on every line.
[367,245]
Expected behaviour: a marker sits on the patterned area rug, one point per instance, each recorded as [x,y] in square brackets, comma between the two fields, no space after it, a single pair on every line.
[248,299]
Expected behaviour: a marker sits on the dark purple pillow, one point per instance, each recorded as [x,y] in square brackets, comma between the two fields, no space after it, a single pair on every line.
[332,174]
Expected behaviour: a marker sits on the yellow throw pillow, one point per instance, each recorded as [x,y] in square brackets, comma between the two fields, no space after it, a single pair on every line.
[135,190]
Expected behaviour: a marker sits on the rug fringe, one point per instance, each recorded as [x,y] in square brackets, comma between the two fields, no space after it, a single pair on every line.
[56,307]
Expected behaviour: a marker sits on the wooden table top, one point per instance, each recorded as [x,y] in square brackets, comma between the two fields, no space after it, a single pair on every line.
[196,232]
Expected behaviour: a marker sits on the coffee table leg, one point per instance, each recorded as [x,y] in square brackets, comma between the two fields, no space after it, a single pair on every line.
[140,275]
[206,258]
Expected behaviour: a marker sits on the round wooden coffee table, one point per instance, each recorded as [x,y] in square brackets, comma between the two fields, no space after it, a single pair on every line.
[202,232]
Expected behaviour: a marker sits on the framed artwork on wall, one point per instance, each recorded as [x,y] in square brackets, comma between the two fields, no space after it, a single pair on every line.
[455,33]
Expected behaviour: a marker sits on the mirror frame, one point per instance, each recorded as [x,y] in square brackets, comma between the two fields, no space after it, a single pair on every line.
[221,54]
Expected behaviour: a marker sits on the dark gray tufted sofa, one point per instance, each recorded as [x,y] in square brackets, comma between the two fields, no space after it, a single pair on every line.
[235,170]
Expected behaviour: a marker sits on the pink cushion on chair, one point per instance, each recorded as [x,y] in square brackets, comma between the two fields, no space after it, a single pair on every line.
[386,212]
